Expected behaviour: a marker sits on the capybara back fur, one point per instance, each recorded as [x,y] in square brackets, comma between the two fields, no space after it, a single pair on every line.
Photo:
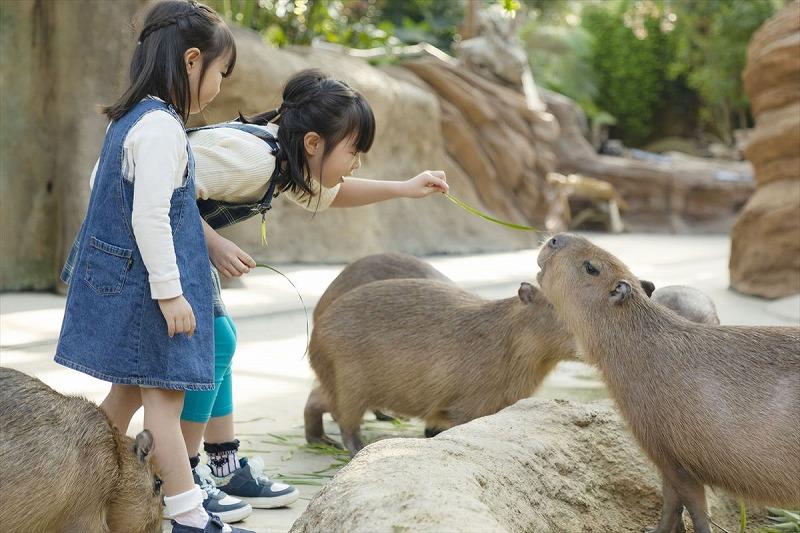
[391,265]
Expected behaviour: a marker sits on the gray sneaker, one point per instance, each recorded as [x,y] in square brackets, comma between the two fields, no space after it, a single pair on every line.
[216,502]
[250,484]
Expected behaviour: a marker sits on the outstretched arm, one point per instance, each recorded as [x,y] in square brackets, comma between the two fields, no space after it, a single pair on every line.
[354,192]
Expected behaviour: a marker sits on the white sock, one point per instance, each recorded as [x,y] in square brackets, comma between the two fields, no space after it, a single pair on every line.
[187,508]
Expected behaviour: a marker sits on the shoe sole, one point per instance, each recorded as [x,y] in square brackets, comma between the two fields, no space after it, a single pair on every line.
[229,517]
[272,502]
[235,515]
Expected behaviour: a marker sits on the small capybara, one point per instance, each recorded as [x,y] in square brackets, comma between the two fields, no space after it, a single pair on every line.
[391,265]
[709,404]
[690,303]
[66,468]
[428,349]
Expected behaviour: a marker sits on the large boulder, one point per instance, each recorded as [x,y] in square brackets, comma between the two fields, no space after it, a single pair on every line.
[538,466]
[765,242]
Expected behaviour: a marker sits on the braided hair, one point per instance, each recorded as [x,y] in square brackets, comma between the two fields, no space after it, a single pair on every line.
[170,28]
[315,102]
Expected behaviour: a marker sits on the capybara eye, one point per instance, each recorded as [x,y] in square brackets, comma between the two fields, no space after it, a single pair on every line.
[157,485]
[590,269]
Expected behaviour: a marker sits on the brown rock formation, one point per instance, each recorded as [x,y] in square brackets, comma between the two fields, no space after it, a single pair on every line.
[765,248]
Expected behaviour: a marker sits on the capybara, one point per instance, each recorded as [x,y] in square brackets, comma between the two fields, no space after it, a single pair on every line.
[391,265]
[66,468]
[428,349]
[710,405]
[690,303]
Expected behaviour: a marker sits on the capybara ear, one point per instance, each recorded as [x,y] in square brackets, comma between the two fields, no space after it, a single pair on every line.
[620,293]
[648,287]
[525,292]
[144,445]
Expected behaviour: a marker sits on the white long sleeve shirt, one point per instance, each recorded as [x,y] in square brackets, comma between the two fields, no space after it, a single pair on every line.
[155,162]
[230,166]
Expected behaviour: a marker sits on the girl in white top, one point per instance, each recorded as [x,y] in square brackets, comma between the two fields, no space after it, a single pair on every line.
[322,128]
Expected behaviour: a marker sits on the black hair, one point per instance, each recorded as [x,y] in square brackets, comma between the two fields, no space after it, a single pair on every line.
[170,28]
[313,101]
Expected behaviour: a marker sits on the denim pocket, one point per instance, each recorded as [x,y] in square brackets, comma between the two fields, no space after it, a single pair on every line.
[106,266]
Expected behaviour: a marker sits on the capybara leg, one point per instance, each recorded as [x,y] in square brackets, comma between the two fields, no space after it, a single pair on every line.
[671,511]
[692,494]
[316,406]
[352,440]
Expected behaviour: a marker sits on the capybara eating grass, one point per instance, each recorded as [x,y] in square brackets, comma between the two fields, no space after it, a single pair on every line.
[66,468]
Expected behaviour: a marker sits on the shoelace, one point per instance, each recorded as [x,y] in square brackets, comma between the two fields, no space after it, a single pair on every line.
[207,483]
[256,465]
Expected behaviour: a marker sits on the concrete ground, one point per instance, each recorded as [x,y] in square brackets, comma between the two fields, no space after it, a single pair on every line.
[272,377]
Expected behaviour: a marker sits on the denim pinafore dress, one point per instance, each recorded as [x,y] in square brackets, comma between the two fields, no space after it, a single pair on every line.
[113,329]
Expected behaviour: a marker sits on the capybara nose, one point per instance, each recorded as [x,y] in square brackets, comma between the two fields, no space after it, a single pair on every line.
[558,242]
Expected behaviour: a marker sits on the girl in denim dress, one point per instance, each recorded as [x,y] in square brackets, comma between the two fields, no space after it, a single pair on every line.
[133,318]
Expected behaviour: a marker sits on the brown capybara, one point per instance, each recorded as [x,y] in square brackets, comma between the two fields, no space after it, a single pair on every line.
[711,405]
[690,303]
[392,265]
[428,349]
[389,265]
[66,468]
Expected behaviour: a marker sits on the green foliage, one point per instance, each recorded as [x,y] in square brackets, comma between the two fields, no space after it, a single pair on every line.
[711,45]
[629,58]
[351,23]
[647,64]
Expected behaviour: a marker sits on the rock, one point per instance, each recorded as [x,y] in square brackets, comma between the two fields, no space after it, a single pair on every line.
[493,133]
[765,241]
[537,466]
[54,77]
[679,193]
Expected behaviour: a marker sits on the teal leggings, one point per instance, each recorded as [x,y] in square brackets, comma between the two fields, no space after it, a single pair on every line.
[199,406]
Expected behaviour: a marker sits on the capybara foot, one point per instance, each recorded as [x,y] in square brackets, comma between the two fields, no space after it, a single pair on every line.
[677,528]
[383,417]
[432,432]
[325,440]
[352,441]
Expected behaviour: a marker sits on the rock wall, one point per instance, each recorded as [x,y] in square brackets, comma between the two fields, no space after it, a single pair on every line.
[538,466]
[765,241]
[53,77]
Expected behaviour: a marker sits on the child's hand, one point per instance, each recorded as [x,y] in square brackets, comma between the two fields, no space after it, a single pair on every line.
[428,182]
[179,315]
[230,260]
